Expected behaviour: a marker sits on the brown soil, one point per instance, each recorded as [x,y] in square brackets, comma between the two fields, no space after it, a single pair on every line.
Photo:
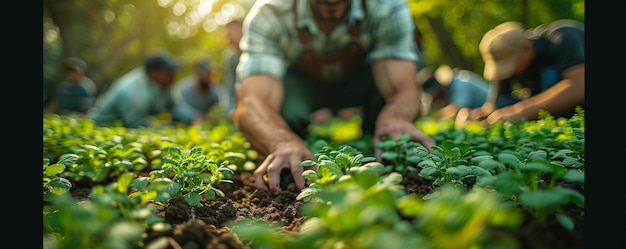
[205,227]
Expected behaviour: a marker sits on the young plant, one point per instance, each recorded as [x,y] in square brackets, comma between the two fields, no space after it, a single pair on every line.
[451,164]
[53,183]
[101,164]
[532,183]
[452,218]
[192,176]
[332,163]
[401,155]
[110,218]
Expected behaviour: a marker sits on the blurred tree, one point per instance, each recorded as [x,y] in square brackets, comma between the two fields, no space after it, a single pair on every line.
[113,36]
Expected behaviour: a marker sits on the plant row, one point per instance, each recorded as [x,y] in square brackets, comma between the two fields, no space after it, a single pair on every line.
[484,180]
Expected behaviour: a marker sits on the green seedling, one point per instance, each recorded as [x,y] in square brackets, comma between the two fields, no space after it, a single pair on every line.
[189,175]
[53,183]
[531,182]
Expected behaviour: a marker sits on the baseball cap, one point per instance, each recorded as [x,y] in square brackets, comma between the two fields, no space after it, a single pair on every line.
[73,63]
[161,61]
[501,48]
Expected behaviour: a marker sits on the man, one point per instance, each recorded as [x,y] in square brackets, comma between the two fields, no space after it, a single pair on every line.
[547,63]
[139,94]
[304,55]
[76,93]
[195,95]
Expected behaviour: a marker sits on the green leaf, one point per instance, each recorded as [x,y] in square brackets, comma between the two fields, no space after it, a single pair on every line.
[458,171]
[192,198]
[565,221]
[574,175]
[67,159]
[545,198]
[366,177]
[124,181]
[342,160]
[429,172]
[510,160]
[310,175]
[195,152]
[59,185]
[389,155]
[536,167]
[53,170]
[306,194]
[490,164]
[332,167]
[140,183]
[308,163]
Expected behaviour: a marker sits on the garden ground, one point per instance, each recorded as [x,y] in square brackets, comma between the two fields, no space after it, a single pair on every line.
[206,227]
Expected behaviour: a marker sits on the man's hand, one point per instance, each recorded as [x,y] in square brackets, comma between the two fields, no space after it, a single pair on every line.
[288,155]
[466,115]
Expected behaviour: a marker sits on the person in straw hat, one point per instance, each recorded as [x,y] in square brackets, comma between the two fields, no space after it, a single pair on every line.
[531,70]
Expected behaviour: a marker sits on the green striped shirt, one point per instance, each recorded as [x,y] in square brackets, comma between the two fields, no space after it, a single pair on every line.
[270,41]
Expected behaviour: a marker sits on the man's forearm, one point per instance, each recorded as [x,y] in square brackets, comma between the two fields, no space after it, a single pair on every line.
[261,125]
[404,104]
[395,80]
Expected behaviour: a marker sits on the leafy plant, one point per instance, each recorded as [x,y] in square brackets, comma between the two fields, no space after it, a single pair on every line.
[108,219]
[451,164]
[401,155]
[531,182]
[331,164]
[53,183]
[348,214]
[192,176]
[453,218]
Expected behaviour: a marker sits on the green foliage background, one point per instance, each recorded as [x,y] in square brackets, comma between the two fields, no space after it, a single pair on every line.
[113,36]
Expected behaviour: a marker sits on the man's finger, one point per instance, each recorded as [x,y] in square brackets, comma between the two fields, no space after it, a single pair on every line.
[258,178]
[273,175]
[261,172]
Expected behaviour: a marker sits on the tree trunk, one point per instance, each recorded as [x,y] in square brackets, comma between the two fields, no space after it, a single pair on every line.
[449,50]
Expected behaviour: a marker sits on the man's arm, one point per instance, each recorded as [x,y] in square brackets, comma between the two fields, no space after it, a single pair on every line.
[395,80]
[257,113]
[563,97]
[259,98]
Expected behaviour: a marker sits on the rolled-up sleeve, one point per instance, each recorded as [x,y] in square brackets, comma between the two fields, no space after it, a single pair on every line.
[393,32]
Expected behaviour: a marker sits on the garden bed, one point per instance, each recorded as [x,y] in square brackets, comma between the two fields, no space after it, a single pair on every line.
[207,227]
[229,214]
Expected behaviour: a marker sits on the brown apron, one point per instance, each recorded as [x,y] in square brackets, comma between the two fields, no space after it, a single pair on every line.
[334,67]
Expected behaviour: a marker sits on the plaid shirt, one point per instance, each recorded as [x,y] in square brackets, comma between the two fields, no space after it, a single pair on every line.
[270,41]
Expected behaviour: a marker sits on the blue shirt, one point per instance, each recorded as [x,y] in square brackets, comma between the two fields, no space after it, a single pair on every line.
[270,41]
[75,97]
[131,99]
[190,102]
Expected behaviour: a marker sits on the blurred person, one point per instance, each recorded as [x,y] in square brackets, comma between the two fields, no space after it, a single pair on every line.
[195,95]
[139,94]
[531,70]
[76,93]
[300,56]
[447,90]
[452,89]
[231,59]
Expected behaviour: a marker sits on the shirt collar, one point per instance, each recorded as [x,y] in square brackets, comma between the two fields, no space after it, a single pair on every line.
[305,16]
